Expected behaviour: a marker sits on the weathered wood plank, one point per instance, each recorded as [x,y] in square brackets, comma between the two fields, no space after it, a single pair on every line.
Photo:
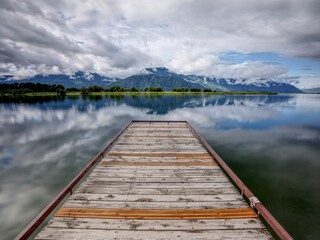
[103,213]
[198,170]
[159,169]
[155,198]
[166,149]
[157,185]
[149,152]
[145,159]
[148,175]
[155,131]
[160,133]
[155,205]
[158,144]
[160,140]
[156,191]
[159,225]
[157,137]
[97,234]
[115,163]
[157,127]
[177,155]
[146,180]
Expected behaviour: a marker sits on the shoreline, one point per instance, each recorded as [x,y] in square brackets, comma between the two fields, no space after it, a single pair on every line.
[39,94]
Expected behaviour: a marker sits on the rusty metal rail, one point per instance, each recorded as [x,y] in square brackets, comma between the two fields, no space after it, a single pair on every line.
[254,202]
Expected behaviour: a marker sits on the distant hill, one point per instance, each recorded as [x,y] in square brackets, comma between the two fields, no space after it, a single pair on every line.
[312,90]
[78,80]
[159,77]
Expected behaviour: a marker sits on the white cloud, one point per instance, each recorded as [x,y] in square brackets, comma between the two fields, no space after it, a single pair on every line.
[119,38]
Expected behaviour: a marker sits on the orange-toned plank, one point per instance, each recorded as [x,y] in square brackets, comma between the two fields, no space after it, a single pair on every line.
[156,214]
[112,163]
[177,155]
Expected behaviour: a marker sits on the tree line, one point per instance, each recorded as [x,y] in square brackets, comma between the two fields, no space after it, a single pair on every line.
[23,88]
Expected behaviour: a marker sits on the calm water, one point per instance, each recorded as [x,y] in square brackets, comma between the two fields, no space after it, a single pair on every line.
[271,142]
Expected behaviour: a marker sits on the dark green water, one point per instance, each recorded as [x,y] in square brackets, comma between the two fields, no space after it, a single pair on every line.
[272,142]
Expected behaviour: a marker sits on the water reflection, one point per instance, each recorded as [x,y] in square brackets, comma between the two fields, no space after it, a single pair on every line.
[271,141]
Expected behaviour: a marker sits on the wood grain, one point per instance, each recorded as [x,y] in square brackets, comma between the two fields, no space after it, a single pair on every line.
[165,214]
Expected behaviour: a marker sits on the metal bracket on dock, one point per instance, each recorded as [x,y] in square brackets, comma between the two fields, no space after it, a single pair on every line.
[253,201]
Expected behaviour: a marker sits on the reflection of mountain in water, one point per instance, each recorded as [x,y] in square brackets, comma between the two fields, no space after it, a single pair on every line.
[164,104]
[156,104]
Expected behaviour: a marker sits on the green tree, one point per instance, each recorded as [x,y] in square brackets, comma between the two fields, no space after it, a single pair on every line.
[61,92]
[72,89]
[156,89]
[207,90]
[116,89]
[195,90]
[94,88]
[180,90]
[133,89]
[84,92]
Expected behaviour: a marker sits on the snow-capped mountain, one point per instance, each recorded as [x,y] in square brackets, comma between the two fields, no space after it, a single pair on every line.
[160,77]
[168,80]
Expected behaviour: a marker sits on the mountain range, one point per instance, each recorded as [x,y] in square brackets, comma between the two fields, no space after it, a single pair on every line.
[312,90]
[158,77]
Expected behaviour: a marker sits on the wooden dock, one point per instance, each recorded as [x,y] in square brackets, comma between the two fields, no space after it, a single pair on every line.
[157,181]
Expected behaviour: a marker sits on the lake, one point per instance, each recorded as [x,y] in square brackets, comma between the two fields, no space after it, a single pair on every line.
[272,142]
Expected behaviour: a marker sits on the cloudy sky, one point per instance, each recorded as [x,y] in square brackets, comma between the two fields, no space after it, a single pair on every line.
[278,39]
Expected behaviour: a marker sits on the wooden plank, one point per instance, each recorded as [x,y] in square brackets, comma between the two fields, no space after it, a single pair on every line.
[146,159]
[155,198]
[157,137]
[157,126]
[114,163]
[159,225]
[98,234]
[199,170]
[177,155]
[160,169]
[182,175]
[158,151]
[158,185]
[130,148]
[146,180]
[159,144]
[159,140]
[155,205]
[156,131]
[156,191]
[102,213]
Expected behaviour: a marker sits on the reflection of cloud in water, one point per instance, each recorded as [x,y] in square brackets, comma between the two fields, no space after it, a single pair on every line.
[267,143]
[39,123]
[42,148]
[208,116]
